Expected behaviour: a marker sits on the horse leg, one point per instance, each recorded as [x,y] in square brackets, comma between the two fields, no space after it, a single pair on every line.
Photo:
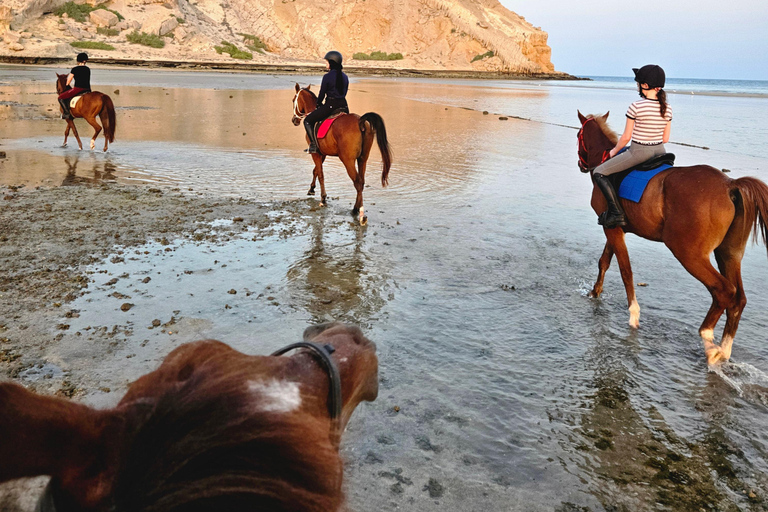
[314,175]
[615,238]
[359,180]
[104,120]
[602,266]
[729,263]
[697,263]
[92,121]
[66,132]
[318,172]
[71,122]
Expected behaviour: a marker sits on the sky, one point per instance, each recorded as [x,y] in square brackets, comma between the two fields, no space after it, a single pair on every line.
[724,39]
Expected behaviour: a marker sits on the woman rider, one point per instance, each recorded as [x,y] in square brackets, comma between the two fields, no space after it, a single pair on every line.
[333,91]
[82,76]
[648,127]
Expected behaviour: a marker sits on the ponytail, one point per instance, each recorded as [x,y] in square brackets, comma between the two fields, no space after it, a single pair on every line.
[662,97]
[339,77]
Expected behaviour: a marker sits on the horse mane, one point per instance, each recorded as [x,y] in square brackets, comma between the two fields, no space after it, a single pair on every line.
[314,96]
[603,124]
[204,446]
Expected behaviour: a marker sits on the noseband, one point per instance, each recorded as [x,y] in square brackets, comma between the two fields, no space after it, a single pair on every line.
[324,355]
[583,165]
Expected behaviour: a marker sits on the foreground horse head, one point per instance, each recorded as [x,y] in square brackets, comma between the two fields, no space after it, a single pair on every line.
[351,138]
[695,211]
[91,104]
[211,429]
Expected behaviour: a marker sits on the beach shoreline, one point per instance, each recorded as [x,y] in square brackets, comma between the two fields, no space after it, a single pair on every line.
[285,69]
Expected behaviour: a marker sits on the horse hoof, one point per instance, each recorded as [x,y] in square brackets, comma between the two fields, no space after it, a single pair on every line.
[311,192]
[364,221]
[64,145]
[93,145]
[715,357]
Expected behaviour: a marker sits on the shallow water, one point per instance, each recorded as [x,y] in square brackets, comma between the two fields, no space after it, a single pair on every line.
[503,387]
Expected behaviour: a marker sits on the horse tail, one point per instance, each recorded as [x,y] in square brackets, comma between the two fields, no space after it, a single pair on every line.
[109,122]
[377,123]
[754,201]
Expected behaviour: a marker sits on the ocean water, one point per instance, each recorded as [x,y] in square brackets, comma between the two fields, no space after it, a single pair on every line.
[503,386]
[723,115]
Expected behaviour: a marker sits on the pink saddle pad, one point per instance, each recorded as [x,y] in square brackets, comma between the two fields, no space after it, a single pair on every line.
[326,126]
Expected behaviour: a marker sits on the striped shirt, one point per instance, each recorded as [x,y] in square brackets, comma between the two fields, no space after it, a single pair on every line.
[649,125]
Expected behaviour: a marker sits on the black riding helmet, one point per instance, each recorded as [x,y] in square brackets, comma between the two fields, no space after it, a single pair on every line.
[333,56]
[82,57]
[650,74]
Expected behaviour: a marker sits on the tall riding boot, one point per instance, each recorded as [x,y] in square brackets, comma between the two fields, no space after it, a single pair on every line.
[312,140]
[614,215]
[65,114]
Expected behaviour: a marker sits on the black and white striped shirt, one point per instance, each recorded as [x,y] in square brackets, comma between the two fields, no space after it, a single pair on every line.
[649,125]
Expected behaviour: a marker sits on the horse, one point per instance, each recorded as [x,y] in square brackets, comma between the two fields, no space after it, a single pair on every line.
[90,105]
[694,211]
[350,138]
[210,429]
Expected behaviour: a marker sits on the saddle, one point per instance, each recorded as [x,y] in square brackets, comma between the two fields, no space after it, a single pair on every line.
[73,101]
[322,128]
[632,182]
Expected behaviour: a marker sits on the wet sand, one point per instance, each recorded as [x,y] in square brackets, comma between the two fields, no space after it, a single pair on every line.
[502,386]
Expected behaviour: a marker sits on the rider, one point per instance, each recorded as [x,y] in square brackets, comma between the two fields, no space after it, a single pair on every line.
[648,127]
[82,76]
[333,90]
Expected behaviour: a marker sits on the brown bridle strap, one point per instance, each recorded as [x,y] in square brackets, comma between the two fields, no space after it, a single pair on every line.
[583,164]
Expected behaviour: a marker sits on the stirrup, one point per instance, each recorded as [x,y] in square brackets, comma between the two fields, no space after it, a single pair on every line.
[312,149]
[610,221]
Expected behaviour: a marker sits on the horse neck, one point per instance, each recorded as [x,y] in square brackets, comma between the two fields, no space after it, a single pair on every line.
[310,102]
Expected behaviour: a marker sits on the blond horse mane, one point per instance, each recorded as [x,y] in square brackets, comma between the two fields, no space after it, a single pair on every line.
[602,122]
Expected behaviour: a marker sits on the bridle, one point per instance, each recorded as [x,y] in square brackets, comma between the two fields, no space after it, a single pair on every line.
[583,164]
[298,114]
[324,355]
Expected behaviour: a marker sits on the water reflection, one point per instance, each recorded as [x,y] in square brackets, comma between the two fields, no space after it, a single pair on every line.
[333,278]
[101,172]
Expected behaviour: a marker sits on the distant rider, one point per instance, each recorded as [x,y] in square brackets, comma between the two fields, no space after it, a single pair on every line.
[82,77]
[648,127]
[333,90]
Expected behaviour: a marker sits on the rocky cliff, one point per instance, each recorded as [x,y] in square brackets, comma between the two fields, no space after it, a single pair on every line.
[478,35]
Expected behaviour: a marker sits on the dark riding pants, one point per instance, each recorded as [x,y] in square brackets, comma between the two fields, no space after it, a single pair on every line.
[321,113]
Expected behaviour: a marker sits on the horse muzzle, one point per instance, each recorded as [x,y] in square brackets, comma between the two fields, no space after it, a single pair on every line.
[296,121]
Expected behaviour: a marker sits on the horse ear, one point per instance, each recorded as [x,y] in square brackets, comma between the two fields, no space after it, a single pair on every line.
[308,86]
[605,117]
[582,119]
[298,87]
[43,435]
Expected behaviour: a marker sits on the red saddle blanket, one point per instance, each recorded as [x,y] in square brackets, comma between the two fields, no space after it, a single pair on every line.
[325,126]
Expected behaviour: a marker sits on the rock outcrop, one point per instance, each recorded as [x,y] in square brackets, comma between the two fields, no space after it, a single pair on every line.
[479,35]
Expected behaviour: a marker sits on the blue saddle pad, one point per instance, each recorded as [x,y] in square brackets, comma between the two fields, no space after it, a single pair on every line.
[633,185]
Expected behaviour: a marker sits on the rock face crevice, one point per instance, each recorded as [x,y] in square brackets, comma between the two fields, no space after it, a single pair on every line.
[479,35]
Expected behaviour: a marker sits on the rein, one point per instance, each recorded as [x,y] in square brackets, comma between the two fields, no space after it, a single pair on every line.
[583,165]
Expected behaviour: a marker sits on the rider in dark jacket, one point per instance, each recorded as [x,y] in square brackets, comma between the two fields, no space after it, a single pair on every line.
[82,77]
[332,96]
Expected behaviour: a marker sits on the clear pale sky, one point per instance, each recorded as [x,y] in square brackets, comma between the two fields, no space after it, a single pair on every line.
[688,38]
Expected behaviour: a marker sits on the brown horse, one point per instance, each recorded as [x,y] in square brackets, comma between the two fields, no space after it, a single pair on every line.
[351,139]
[90,105]
[211,429]
[694,210]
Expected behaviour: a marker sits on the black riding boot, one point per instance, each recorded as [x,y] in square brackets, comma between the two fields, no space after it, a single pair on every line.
[614,215]
[312,140]
[65,114]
